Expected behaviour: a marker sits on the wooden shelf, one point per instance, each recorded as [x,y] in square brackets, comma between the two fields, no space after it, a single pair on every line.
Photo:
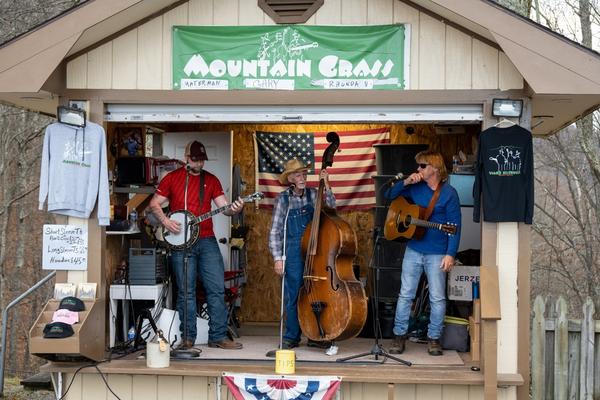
[136,189]
[123,232]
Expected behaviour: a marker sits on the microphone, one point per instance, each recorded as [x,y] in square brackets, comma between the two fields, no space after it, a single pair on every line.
[292,187]
[188,168]
[398,177]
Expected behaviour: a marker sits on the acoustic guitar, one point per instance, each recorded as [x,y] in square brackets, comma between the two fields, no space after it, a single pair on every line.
[406,221]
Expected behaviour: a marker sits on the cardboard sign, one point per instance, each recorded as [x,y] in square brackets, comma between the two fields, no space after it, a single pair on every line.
[65,247]
[460,282]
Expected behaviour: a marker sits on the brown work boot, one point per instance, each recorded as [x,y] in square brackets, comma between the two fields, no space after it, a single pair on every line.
[226,344]
[398,344]
[186,344]
[434,348]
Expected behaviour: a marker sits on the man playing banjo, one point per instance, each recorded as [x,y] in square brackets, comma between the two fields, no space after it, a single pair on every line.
[191,188]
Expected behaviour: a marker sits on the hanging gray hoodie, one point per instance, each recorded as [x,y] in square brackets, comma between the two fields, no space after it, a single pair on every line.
[74,171]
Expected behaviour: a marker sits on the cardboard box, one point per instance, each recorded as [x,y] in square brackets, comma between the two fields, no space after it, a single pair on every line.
[460,282]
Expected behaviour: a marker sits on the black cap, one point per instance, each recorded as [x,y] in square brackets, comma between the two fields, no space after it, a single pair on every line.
[71,303]
[197,152]
[57,330]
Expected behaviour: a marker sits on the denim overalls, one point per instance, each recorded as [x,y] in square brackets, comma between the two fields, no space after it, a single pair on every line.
[297,220]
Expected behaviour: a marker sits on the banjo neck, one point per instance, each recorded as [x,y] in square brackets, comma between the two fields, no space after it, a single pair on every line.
[210,214]
[205,216]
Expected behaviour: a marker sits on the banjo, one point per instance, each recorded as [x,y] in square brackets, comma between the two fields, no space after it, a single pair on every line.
[176,241]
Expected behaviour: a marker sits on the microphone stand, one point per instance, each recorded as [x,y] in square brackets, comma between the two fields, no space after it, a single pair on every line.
[185,354]
[377,349]
[272,353]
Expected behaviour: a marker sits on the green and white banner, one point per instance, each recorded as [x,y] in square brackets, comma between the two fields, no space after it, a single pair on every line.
[289,57]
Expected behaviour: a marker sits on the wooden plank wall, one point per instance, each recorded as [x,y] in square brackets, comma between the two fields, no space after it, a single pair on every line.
[156,387]
[441,57]
[565,355]
[261,295]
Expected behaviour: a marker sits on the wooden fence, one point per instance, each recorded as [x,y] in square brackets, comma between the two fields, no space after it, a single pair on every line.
[565,363]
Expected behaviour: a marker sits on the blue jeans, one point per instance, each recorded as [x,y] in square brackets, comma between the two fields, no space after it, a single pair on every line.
[413,265]
[204,260]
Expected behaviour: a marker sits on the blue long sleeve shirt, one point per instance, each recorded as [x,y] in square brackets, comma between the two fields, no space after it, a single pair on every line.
[445,211]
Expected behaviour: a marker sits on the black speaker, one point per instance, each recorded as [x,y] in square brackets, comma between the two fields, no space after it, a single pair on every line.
[380,213]
[389,253]
[389,283]
[394,158]
[387,313]
[387,262]
[381,185]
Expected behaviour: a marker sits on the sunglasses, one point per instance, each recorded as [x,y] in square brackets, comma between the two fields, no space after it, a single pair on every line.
[422,166]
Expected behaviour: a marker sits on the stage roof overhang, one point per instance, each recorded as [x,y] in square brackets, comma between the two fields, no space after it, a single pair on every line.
[563,77]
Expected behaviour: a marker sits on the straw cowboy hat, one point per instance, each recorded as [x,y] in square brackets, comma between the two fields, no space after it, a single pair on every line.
[293,165]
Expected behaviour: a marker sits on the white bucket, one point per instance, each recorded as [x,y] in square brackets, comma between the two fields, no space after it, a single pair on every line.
[157,354]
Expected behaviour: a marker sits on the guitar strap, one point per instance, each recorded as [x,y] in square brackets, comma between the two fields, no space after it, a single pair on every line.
[201,189]
[434,199]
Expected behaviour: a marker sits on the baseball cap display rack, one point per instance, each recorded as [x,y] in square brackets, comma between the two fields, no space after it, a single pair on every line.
[87,342]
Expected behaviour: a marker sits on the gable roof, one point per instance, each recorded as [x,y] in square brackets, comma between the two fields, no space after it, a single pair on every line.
[563,76]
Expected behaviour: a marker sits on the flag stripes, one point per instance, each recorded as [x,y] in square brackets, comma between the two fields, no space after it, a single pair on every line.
[349,176]
[278,387]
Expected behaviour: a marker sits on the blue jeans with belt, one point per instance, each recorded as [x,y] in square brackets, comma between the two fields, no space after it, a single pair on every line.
[413,265]
[204,260]
[297,221]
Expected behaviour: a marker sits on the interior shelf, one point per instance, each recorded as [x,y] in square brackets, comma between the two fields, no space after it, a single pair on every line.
[134,189]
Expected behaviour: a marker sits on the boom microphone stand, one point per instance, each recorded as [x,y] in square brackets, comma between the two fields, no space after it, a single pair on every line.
[272,353]
[185,354]
[377,349]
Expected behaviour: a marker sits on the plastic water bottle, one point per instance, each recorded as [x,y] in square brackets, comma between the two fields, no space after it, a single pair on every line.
[131,334]
[133,217]
[133,227]
[455,163]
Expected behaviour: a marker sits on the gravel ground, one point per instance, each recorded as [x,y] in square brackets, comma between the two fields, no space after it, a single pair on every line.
[13,390]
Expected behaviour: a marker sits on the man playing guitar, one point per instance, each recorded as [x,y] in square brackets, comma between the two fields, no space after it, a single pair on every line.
[204,256]
[434,253]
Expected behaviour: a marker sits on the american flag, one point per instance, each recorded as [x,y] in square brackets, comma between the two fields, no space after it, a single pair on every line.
[349,176]
[278,387]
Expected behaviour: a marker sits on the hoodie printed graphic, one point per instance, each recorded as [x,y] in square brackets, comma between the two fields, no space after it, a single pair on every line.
[74,171]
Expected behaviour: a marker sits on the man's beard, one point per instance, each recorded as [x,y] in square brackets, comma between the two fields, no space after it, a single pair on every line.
[193,170]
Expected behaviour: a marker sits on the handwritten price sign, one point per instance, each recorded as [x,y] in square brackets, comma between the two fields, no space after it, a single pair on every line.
[65,247]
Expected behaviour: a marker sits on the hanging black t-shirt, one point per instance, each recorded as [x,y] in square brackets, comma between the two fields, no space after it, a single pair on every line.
[504,175]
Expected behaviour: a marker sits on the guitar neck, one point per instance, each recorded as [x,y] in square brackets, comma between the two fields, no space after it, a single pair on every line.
[427,224]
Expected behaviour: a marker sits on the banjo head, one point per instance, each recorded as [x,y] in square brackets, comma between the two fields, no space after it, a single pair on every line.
[177,241]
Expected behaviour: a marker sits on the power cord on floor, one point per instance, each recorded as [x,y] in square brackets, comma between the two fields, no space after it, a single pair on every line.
[95,365]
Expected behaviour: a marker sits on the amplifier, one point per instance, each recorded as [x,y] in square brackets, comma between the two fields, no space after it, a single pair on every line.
[147,266]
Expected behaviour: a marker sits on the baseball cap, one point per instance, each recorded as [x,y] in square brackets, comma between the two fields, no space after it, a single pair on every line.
[71,303]
[57,330]
[66,316]
[196,151]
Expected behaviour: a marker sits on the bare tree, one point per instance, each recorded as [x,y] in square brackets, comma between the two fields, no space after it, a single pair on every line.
[565,259]
[21,137]
[18,17]
[523,7]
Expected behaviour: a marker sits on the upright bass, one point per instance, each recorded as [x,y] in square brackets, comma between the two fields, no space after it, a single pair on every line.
[332,304]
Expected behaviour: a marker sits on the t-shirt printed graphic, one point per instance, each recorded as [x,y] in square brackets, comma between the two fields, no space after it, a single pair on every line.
[504,176]
[507,160]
